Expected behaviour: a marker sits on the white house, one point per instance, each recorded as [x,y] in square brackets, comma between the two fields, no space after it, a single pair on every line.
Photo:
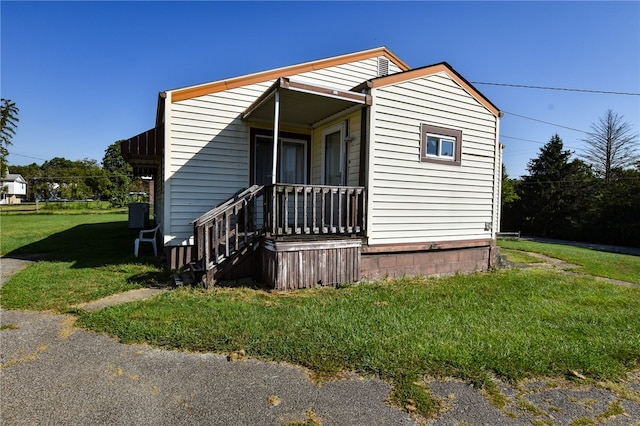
[379,170]
[14,188]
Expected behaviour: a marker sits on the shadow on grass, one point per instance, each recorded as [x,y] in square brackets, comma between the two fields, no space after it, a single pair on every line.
[155,279]
[86,246]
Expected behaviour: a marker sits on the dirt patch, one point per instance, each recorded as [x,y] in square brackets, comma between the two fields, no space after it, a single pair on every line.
[547,262]
[120,298]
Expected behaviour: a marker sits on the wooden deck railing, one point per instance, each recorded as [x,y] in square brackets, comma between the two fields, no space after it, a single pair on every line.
[313,210]
[276,211]
[227,228]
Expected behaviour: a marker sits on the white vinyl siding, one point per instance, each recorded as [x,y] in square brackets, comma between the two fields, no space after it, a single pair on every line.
[413,201]
[208,145]
[347,76]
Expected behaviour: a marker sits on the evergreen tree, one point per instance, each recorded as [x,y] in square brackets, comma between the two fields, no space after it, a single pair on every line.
[619,208]
[555,196]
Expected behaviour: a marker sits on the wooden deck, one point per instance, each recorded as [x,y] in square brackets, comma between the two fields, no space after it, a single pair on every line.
[324,220]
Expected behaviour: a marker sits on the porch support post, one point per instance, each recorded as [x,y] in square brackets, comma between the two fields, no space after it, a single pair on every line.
[276,126]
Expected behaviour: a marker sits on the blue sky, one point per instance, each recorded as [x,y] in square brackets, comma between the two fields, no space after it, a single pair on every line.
[85,74]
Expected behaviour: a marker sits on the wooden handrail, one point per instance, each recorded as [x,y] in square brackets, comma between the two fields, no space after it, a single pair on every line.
[227,228]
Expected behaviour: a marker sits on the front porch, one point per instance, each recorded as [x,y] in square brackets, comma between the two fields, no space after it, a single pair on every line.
[286,235]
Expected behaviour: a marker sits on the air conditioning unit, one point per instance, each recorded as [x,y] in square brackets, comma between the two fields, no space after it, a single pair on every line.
[138,215]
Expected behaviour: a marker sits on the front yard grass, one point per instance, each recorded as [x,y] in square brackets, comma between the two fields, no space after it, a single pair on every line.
[512,324]
[602,264]
[84,257]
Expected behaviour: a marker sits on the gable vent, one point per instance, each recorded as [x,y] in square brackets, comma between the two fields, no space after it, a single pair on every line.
[383,67]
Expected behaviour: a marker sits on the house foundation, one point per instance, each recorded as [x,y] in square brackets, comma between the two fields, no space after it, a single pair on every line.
[288,265]
[442,258]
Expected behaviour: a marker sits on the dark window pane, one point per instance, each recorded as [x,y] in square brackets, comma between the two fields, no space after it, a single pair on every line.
[432,146]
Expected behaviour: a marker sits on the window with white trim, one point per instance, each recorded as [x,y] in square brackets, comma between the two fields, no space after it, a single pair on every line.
[440,144]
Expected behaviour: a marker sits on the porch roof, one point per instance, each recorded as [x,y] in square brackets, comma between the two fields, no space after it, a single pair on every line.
[144,151]
[304,104]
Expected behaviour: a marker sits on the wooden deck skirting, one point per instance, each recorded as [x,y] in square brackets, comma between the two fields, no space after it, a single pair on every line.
[179,256]
[290,265]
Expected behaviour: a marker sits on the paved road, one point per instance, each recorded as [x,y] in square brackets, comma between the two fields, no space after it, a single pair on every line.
[53,373]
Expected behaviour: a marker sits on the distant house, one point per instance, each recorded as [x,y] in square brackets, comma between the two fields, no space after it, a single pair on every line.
[350,167]
[14,188]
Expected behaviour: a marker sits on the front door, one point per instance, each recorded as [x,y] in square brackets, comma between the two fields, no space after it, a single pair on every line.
[334,173]
[334,156]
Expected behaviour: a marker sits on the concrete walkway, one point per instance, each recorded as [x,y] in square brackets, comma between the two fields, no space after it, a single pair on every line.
[120,298]
[11,265]
[53,373]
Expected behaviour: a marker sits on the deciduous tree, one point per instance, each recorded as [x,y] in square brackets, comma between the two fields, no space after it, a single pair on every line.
[8,124]
[119,172]
[611,145]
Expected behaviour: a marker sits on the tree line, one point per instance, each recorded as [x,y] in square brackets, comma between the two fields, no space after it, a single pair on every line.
[60,178]
[595,198]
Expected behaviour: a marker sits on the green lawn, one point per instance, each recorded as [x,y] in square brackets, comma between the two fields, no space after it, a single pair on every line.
[85,257]
[45,233]
[602,264]
[512,324]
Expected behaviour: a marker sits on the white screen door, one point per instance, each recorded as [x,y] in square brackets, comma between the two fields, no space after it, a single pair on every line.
[333,163]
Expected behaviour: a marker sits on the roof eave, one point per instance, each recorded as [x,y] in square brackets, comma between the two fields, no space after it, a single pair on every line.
[263,76]
[433,69]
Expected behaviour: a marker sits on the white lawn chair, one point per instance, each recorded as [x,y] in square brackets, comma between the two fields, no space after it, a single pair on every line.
[146,236]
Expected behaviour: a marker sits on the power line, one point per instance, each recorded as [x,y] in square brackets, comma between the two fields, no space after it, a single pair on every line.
[565,89]
[537,142]
[27,156]
[521,139]
[569,181]
[547,122]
